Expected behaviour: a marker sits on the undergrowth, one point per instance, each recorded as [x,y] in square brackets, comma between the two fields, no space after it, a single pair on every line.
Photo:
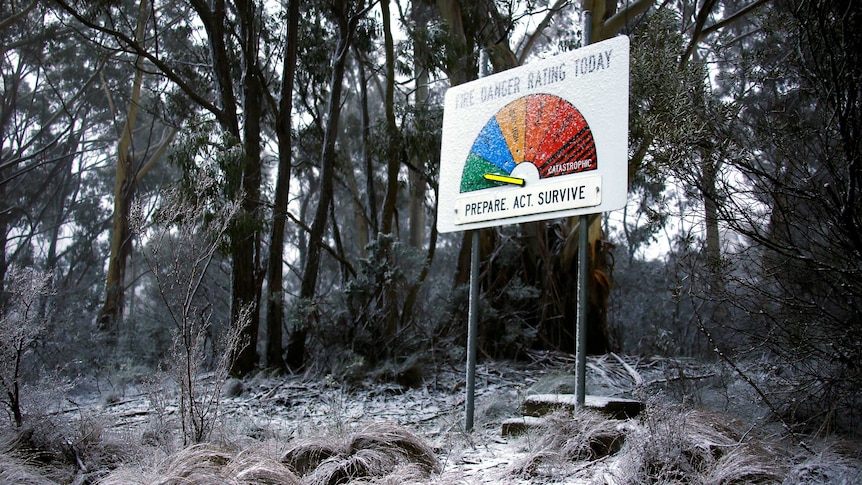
[671,442]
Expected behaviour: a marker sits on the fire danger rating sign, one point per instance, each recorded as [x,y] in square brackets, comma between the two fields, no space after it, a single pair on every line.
[541,141]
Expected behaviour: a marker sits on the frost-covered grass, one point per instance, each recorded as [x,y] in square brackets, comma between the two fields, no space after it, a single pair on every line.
[698,427]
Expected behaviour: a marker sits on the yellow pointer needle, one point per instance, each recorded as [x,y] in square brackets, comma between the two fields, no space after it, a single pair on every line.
[504,179]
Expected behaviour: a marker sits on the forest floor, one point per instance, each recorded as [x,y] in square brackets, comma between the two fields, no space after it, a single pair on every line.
[701,424]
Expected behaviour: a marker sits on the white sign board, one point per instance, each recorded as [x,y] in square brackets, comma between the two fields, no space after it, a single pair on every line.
[541,141]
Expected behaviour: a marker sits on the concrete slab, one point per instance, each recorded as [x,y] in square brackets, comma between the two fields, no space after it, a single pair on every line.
[537,405]
[518,426]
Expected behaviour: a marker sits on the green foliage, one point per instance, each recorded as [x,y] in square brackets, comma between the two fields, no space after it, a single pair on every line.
[420,139]
[666,118]
[375,297]
[211,165]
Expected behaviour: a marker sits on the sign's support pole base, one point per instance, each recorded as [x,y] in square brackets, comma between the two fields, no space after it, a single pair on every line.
[581,330]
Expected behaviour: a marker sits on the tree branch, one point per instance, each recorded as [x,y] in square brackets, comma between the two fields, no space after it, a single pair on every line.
[138,49]
[5,23]
[532,38]
[618,20]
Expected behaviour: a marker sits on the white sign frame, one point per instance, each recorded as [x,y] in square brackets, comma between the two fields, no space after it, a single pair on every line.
[595,81]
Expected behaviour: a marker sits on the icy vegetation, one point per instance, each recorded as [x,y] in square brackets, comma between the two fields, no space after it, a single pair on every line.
[701,424]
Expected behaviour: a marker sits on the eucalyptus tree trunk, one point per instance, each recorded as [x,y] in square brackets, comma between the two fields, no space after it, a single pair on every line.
[370,191]
[128,176]
[393,149]
[420,16]
[4,230]
[308,288]
[393,166]
[275,309]
[247,283]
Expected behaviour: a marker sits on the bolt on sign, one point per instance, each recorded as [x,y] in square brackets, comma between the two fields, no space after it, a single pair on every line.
[541,141]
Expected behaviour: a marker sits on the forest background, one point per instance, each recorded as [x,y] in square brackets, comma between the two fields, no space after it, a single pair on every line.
[242,185]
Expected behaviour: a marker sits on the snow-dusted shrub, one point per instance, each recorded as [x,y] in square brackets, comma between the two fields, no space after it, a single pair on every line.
[184,243]
[21,323]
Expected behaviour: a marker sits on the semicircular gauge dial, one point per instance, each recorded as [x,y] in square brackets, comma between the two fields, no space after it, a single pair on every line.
[540,129]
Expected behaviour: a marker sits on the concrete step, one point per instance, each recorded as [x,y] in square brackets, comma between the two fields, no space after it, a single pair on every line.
[537,405]
[518,426]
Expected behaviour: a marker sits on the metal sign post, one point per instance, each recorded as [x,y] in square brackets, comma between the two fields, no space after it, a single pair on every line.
[473,312]
[547,140]
[583,261]
[472,328]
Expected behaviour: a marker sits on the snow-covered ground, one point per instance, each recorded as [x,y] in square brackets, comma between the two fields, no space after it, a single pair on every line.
[700,421]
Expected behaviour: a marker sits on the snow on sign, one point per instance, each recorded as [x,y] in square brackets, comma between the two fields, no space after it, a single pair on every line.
[541,141]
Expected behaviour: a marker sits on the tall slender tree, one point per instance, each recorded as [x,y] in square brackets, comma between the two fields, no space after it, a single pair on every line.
[129,173]
[346,16]
[275,301]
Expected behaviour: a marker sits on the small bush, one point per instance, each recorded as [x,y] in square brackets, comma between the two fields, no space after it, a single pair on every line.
[22,322]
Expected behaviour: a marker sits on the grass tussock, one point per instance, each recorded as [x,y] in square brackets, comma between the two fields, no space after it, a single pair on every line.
[673,444]
[374,452]
[205,464]
[832,464]
[565,437]
[18,471]
[48,449]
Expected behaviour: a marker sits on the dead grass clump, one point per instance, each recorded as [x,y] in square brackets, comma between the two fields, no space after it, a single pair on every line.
[305,456]
[673,444]
[669,450]
[205,464]
[568,437]
[826,467]
[63,449]
[745,464]
[376,451]
[20,472]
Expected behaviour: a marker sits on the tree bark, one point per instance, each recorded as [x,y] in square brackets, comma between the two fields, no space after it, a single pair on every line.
[420,16]
[393,148]
[4,230]
[308,287]
[275,302]
[370,191]
[246,283]
[213,20]
[124,191]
